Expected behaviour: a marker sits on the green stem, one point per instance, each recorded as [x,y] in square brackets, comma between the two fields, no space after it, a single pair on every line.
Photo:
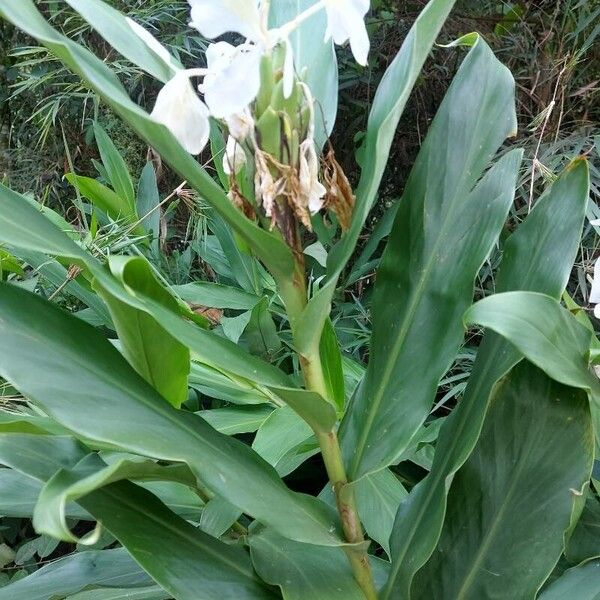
[295,298]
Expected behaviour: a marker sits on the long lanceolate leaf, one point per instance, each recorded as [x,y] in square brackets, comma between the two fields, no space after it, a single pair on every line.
[181,558]
[446,225]
[388,105]
[537,257]
[271,249]
[512,501]
[83,382]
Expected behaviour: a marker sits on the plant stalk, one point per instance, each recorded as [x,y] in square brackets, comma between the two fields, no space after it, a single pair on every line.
[314,380]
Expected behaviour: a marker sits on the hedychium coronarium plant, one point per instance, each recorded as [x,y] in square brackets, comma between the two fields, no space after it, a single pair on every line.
[103,430]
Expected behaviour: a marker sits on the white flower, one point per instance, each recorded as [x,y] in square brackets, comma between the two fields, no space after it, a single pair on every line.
[186,116]
[345,21]
[234,158]
[213,18]
[595,291]
[232,80]
[312,190]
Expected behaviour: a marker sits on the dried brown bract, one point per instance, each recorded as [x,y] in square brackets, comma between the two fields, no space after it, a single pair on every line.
[339,198]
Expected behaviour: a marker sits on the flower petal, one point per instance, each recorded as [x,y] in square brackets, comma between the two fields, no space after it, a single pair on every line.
[345,21]
[234,158]
[213,18]
[288,70]
[186,116]
[595,291]
[233,80]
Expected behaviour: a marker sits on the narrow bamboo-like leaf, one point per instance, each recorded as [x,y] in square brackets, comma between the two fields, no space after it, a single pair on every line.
[113,405]
[388,105]
[162,360]
[269,247]
[578,583]
[115,166]
[73,573]
[511,502]
[181,558]
[446,225]
[548,335]
[113,26]
[537,257]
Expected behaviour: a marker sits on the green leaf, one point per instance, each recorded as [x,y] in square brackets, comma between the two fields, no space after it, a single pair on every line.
[114,28]
[148,204]
[182,559]
[115,166]
[115,406]
[282,432]
[157,356]
[511,502]
[146,593]
[215,295]
[268,246]
[584,542]
[73,573]
[23,225]
[537,257]
[218,516]
[115,206]
[446,225]
[41,235]
[88,475]
[233,420]
[580,583]
[305,572]
[543,331]
[20,494]
[388,105]
[314,59]
[378,497]
[331,360]
[261,334]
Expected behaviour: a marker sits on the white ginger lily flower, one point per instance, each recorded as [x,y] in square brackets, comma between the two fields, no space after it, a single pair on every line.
[177,105]
[179,108]
[312,191]
[345,21]
[213,18]
[234,158]
[232,78]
